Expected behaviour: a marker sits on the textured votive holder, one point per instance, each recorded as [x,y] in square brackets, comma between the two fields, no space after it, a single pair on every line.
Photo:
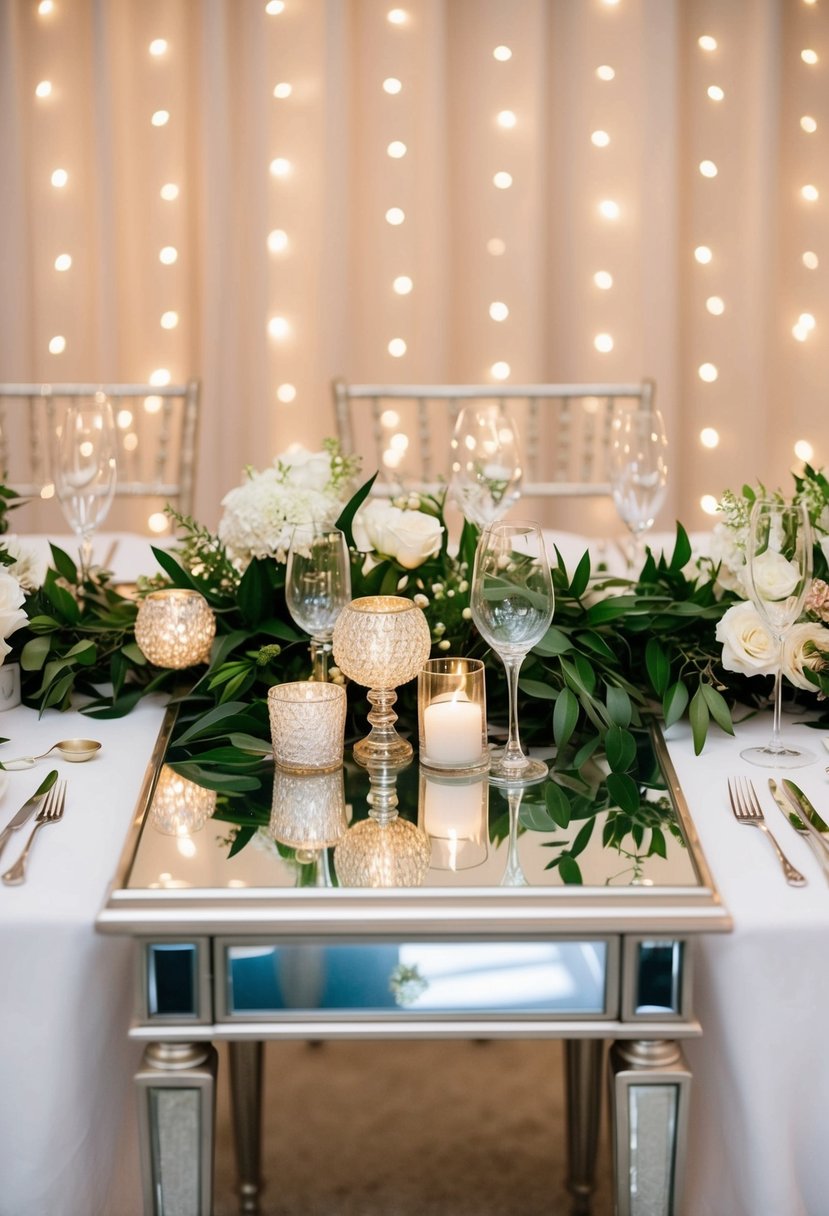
[451,713]
[308,811]
[307,725]
[175,627]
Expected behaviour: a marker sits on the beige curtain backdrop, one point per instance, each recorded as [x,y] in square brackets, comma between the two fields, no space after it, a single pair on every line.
[279,218]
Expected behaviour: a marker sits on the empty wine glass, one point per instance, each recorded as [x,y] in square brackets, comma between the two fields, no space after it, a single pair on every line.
[638,471]
[486,465]
[84,467]
[512,606]
[778,572]
[318,587]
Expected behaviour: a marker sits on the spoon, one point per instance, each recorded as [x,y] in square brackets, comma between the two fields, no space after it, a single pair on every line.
[73,750]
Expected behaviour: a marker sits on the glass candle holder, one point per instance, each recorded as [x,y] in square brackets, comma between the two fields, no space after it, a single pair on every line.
[454,814]
[179,806]
[307,725]
[381,641]
[451,714]
[308,811]
[175,628]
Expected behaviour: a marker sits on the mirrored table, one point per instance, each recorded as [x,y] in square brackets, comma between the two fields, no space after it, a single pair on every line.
[396,903]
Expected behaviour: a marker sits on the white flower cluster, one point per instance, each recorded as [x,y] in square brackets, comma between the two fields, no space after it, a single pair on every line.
[748,646]
[404,533]
[300,487]
[12,612]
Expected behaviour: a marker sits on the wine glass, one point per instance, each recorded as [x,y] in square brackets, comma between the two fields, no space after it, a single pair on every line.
[512,606]
[318,586]
[84,467]
[778,572]
[638,471]
[486,465]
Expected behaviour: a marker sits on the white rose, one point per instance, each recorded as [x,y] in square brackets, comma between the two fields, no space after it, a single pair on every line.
[11,594]
[748,646]
[774,577]
[372,526]
[727,549]
[799,652]
[418,537]
[306,470]
[29,566]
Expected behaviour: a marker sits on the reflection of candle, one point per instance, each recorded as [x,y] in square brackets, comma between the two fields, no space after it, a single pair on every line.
[453,731]
[454,818]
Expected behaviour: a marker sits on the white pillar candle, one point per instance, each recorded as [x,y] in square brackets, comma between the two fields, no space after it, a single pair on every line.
[454,732]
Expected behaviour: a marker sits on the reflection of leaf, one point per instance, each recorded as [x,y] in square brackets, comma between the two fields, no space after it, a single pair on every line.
[558,804]
[536,817]
[624,791]
[582,838]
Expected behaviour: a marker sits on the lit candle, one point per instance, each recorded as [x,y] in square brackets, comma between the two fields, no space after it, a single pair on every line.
[453,729]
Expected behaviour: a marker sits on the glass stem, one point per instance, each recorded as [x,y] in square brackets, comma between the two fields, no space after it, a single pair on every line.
[320,650]
[86,555]
[776,744]
[512,752]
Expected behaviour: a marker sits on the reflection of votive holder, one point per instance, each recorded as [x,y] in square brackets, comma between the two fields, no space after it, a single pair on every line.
[307,725]
[451,714]
[454,814]
[179,806]
[308,811]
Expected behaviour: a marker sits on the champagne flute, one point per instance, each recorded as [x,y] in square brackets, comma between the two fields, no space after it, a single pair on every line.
[84,467]
[512,606]
[638,471]
[318,587]
[778,572]
[486,465]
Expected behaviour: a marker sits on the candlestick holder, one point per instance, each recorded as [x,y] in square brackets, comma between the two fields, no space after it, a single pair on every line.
[175,628]
[307,725]
[381,641]
[454,814]
[451,714]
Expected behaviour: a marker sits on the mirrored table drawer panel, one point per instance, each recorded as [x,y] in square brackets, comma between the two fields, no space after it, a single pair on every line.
[269,979]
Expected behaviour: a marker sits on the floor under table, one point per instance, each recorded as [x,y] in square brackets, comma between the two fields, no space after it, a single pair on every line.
[411,1129]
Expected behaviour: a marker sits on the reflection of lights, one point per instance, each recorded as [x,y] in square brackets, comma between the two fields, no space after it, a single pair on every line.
[282,90]
[808,124]
[809,56]
[169,320]
[158,46]
[123,419]
[806,320]
[396,149]
[280,166]
[158,521]
[397,16]
[278,328]
[169,192]
[399,442]
[810,193]
[707,168]
[43,89]
[152,405]
[600,139]
[392,85]
[502,180]
[395,215]
[160,377]
[800,332]
[59,178]
[709,504]
[186,846]
[506,119]
[168,255]
[160,118]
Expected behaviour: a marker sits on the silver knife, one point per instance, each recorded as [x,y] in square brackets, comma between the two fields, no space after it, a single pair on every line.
[28,808]
[800,825]
[814,824]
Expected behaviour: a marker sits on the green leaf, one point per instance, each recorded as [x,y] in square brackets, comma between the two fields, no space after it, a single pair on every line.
[133,652]
[535,688]
[581,577]
[390,580]
[553,643]
[173,569]
[58,690]
[243,835]
[674,703]
[248,743]
[274,628]
[718,708]
[221,781]
[699,716]
[619,707]
[120,707]
[345,520]
[43,624]
[658,665]
[569,871]
[83,652]
[620,748]
[624,792]
[586,751]
[565,716]
[255,593]
[60,599]
[682,549]
[64,565]
[558,804]
[582,838]
[657,843]
[205,725]
[34,653]
[595,642]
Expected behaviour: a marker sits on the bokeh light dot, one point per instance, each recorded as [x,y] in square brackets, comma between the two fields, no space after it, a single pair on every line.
[286,393]
[715,305]
[63,261]
[703,254]
[808,124]
[707,43]
[169,319]
[168,255]
[402,285]
[603,279]
[392,85]
[500,370]
[603,343]
[709,437]
[502,180]
[43,88]
[57,345]
[397,348]
[804,450]
[395,215]
[707,168]
[496,247]
[158,46]
[59,178]
[502,53]
[715,92]
[708,372]
[605,72]
[709,504]
[600,139]
[810,260]
[169,192]
[498,310]
[277,240]
[283,90]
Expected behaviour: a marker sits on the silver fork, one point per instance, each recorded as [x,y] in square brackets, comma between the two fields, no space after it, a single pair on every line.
[50,812]
[747,809]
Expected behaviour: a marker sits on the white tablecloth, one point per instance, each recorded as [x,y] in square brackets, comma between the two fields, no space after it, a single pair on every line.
[67,1129]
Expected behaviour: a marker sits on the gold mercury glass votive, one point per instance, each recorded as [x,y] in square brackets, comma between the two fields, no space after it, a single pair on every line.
[179,806]
[451,714]
[307,725]
[381,641]
[308,811]
[175,628]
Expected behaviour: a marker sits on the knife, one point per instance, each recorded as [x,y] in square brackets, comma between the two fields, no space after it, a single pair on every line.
[800,825]
[28,808]
[813,822]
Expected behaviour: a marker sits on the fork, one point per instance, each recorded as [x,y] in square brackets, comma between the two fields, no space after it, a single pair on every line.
[747,809]
[50,812]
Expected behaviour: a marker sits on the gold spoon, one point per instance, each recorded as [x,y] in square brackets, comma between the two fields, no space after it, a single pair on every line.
[73,750]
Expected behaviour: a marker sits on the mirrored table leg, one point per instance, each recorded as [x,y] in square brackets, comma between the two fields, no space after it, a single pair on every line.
[583,1077]
[650,1087]
[246,1059]
[176,1087]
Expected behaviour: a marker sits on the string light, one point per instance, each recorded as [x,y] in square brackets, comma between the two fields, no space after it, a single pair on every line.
[160,118]
[123,419]
[498,311]
[502,180]
[810,260]
[157,522]
[397,348]
[160,377]
[502,54]
[715,305]
[709,437]
[709,504]
[152,405]
[600,139]
[605,72]
[402,284]
[158,46]
[703,254]
[286,393]
[707,168]
[715,92]
[57,345]
[169,320]
[809,56]
[603,279]
[708,372]
[810,193]
[279,328]
[609,209]
[804,450]
[395,215]
[168,255]
[397,16]
[280,167]
[396,149]
[500,370]
[282,90]
[392,85]
[43,89]
[59,178]
[603,343]
[707,43]
[169,192]
[277,240]
[808,124]
[63,261]
[506,119]
[389,418]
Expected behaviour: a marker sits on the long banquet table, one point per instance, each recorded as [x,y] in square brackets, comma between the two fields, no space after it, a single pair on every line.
[67,1117]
